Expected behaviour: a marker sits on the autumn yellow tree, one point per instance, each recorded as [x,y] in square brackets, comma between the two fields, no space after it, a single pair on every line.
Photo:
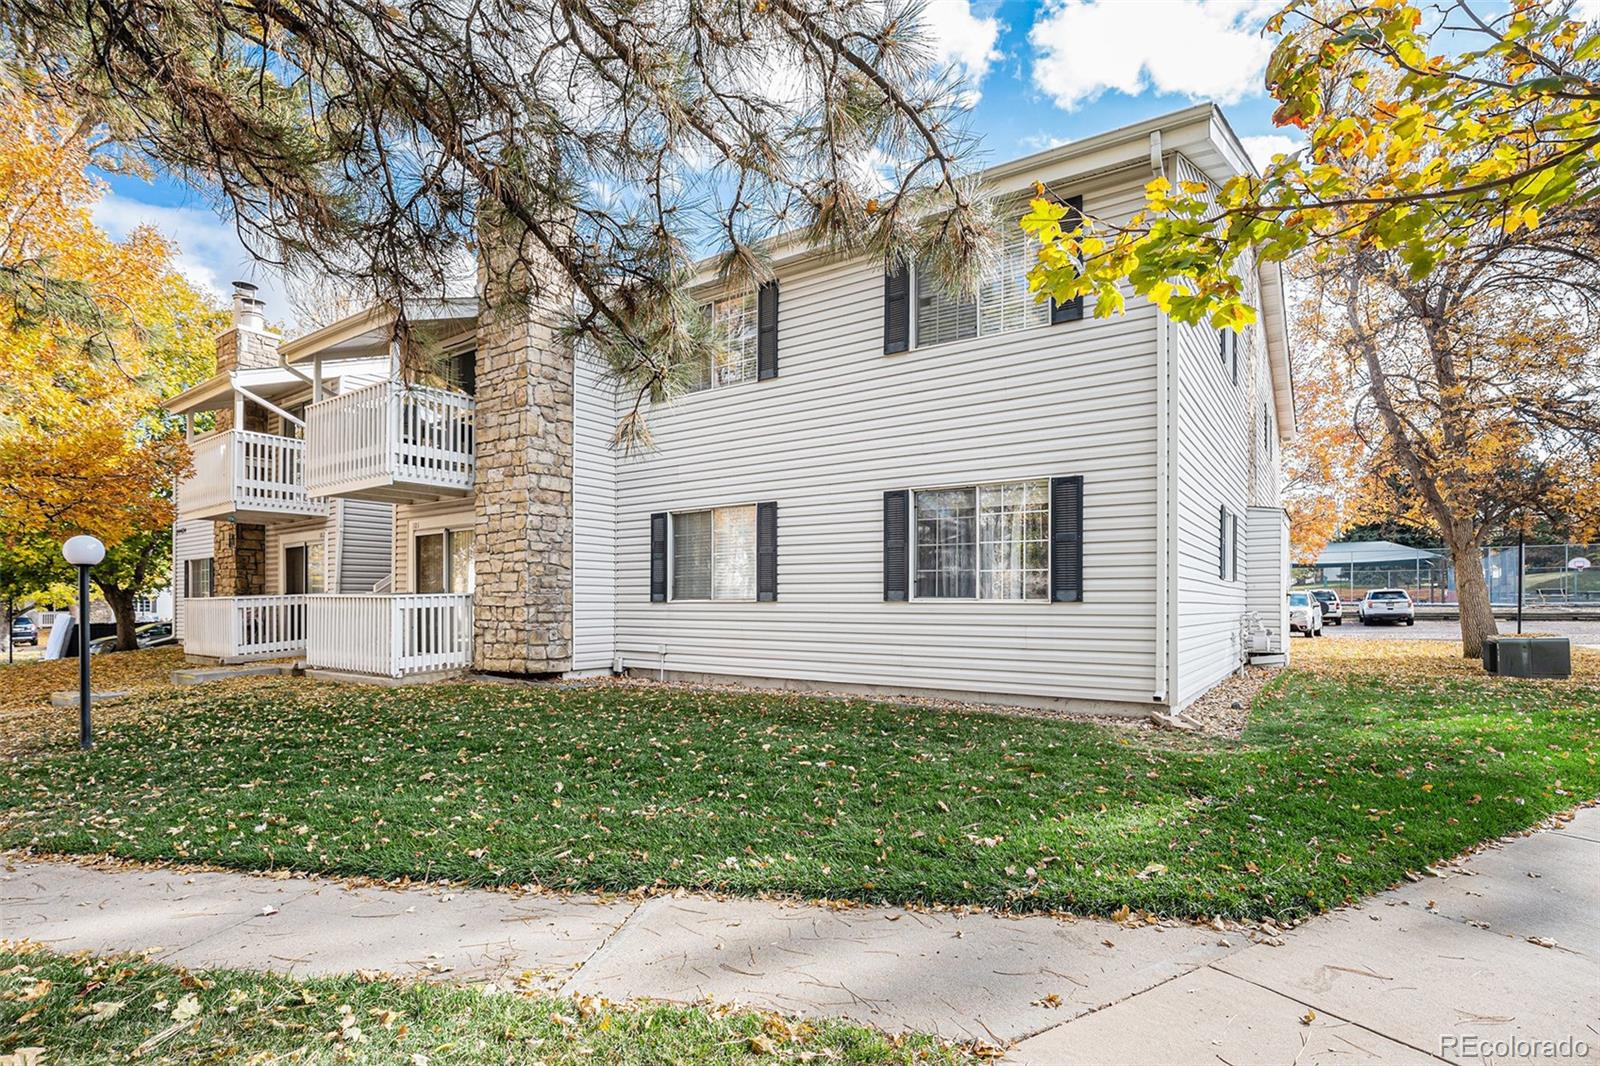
[93,333]
[1325,463]
[1445,205]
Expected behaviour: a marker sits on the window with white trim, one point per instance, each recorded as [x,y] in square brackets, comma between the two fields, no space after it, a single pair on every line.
[1228,352]
[1228,545]
[198,578]
[442,561]
[736,318]
[714,554]
[1002,304]
[985,542]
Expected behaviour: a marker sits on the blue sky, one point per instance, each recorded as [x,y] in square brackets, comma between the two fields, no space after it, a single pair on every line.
[1044,73]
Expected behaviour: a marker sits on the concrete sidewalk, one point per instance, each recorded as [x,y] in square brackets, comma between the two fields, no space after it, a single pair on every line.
[1459,958]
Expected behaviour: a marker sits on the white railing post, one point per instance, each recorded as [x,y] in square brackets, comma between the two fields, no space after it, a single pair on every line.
[387,635]
[241,471]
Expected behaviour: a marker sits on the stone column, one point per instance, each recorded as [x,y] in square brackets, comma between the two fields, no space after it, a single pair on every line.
[522,602]
[239,552]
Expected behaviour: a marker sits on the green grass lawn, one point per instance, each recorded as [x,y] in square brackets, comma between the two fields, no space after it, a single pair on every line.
[1343,782]
[83,1010]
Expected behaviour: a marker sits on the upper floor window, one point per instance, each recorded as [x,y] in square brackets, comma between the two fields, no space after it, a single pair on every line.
[1002,303]
[736,317]
[460,371]
[1228,351]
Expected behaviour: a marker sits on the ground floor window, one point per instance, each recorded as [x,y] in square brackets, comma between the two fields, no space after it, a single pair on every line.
[1227,545]
[714,554]
[443,561]
[304,570]
[198,580]
[987,542]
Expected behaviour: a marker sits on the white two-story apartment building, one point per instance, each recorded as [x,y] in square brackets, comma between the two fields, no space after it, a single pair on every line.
[884,488]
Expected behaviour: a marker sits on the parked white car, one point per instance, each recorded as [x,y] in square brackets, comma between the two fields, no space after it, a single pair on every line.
[1305,614]
[1387,605]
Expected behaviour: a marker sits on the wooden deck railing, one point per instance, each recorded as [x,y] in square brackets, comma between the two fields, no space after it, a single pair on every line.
[239,471]
[390,434]
[390,636]
[244,627]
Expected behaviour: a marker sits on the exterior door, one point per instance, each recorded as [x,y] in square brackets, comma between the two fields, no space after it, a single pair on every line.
[444,561]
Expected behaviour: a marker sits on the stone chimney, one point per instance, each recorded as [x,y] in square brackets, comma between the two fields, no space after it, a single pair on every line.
[247,344]
[522,598]
[239,552]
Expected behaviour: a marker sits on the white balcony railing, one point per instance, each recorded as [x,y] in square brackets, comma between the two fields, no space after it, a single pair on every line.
[258,477]
[390,636]
[390,441]
[244,627]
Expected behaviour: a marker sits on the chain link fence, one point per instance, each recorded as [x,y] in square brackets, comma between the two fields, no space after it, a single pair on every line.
[1555,575]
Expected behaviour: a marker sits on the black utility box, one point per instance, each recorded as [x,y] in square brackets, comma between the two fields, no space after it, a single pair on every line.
[1528,656]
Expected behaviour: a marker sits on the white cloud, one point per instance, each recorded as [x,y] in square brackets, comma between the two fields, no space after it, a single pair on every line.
[962,39]
[1586,10]
[210,254]
[1264,147]
[1208,49]
[1038,142]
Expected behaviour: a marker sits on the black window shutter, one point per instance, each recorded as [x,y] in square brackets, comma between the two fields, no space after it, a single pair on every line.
[897,309]
[1066,539]
[1072,310]
[767,330]
[658,557]
[767,552]
[896,545]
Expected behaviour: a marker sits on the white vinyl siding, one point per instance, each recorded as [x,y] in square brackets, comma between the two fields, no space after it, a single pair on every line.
[594,516]
[846,423]
[1214,434]
[1267,580]
[191,540]
[365,545]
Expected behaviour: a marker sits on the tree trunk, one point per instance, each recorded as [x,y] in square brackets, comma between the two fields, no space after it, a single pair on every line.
[1477,615]
[121,603]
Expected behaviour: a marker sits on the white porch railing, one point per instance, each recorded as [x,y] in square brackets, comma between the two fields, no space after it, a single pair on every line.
[389,636]
[244,627]
[258,475]
[390,440]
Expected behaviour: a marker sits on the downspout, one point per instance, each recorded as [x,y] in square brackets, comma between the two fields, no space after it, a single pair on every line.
[1165,539]
[1163,505]
[1174,449]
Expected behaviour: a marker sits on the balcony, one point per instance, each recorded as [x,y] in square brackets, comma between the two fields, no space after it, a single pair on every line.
[391,442]
[248,477]
[390,636]
[241,628]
